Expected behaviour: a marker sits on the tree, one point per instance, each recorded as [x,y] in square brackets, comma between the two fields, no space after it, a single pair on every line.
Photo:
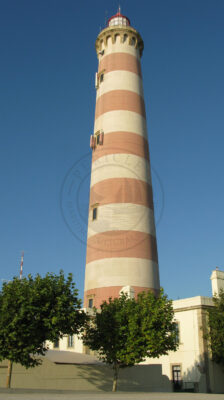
[216,329]
[34,310]
[126,331]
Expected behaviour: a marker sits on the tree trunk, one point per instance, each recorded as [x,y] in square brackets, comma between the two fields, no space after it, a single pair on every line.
[9,375]
[115,368]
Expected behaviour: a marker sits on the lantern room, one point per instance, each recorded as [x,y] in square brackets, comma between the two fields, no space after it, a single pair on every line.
[118,19]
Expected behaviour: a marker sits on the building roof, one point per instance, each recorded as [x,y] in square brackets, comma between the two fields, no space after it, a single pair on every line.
[192,302]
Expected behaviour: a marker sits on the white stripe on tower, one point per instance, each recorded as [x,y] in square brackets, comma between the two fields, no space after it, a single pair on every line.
[123,267]
[116,216]
[119,165]
[121,246]
[121,121]
[121,80]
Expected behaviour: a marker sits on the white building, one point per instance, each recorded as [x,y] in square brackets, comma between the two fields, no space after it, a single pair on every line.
[189,368]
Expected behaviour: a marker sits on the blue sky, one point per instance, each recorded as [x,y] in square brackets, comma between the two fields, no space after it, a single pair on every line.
[47,100]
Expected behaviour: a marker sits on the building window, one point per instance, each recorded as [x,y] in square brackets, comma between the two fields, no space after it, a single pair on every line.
[99,78]
[70,341]
[177,332]
[56,344]
[99,137]
[90,303]
[176,377]
[94,213]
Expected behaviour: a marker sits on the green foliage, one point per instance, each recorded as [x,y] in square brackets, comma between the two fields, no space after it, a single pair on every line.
[126,331]
[33,310]
[216,329]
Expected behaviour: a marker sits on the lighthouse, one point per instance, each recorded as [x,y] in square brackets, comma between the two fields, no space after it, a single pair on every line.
[121,253]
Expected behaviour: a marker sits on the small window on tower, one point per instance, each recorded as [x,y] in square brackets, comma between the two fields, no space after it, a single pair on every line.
[94,213]
[99,138]
[90,305]
[100,76]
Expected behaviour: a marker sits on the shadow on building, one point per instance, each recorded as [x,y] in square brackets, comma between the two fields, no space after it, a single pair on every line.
[58,376]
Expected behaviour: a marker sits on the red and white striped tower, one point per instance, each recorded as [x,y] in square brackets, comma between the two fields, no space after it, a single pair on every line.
[121,245]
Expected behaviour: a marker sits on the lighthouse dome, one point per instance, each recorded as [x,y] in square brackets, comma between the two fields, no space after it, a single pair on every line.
[118,19]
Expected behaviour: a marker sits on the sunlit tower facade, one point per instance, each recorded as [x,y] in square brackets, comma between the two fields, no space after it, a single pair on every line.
[121,245]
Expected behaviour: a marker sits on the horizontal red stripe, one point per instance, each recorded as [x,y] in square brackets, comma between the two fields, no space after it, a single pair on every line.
[120,61]
[122,143]
[121,244]
[120,100]
[103,294]
[121,190]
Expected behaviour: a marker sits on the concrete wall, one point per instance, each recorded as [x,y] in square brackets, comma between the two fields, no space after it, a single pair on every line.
[86,377]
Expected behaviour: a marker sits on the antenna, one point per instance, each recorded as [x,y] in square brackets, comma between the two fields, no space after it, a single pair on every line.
[21,266]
